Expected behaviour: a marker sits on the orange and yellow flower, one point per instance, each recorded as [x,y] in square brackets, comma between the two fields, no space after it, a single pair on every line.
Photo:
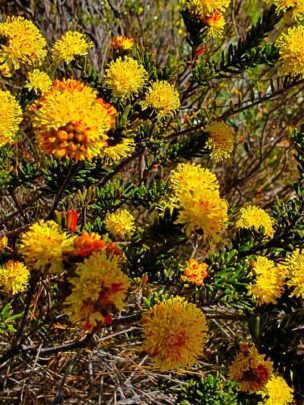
[195,272]
[122,42]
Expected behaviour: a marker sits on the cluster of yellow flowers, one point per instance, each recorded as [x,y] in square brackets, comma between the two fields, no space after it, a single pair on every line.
[14,277]
[38,81]
[197,197]
[294,265]
[277,392]
[295,6]
[71,44]
[120,224]
[221,141]
[10,117]
[255,217]
[162,97]
[195,272]
[291,48]
[175,334]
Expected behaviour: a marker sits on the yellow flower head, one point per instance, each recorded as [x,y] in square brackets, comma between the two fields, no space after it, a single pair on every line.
[175,334]
[38,81]
[278,392]
[125,77]
[162,97]
[221,141]
[10,117]
[70,122]
[122,42]
[250,369]
[255,217]
[268,285]
[196,196]
[14,277]
[195,272]
[71,44]
[216,22]
[291,48]
[203,8]
[297,7]
[44,246]
[99,288]
[295,266]
[3,242]
[24,44]
[120,224]
[121,150]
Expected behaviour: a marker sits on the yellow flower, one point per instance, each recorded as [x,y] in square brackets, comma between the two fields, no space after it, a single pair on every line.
[175,334]
[278,392]
[38,81]
[14,277]
[44,246]
[121,150]
[120,224]
[195,272]
[99,288]
[3,242]
[203,8]
[71,44]
[295,266]
[125,77]
[255,217]
[291,48]
[221,141]
[23,44]
[196,196]
[216,22]
[162,97]
[268,285]
[250,369]
[297,7]
[10,117]
[122,42]
[71,122]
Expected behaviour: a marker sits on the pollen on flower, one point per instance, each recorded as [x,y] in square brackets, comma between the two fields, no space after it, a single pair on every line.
[296,6]
[277,392]
[250,369]
[44,246]
[71,122]
[14,277]
[195,272]
[162,97]
[216,23]
[202,8]
[38,81]
[122,42]
[105,290]
[291,49]
[23,45]
[10,117]
[114,153]
[268,285]
[71,44]
[255,217]
[120,224]
[175,334]
[125,77]
[295,267]
[221,141]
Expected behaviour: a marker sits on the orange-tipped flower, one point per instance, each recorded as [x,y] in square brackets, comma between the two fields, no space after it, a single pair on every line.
[122,42]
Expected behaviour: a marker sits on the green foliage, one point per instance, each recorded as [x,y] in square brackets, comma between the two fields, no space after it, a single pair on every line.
[7,319]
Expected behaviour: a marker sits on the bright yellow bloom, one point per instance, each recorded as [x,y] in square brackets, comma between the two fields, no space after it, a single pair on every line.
[120,224]
[291,48]
[196,196]
[71,122]
[162,97]
[14,277]
[71,44]
[297,7]
[250,369]
[10,117]
[3,242]
[122,42]
[24,44]
[268,285]
[255,217]
[221,141]
[175,334]
[195,272]
[38,81]
[203,8]
[44,246]
[295,266]
[125,77]
[99,288]
[121,150]
[278,392]
[216,22]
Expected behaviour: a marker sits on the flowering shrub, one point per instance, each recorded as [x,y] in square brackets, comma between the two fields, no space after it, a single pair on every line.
[152,210]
